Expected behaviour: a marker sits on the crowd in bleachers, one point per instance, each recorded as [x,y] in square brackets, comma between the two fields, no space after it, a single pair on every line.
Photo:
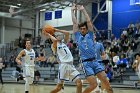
[123,48]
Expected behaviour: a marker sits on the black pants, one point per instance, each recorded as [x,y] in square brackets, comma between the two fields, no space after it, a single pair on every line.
[1,76]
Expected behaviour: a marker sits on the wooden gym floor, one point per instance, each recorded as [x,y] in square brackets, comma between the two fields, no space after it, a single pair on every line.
[19,88]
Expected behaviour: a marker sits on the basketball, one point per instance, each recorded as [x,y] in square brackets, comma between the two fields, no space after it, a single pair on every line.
[48,29]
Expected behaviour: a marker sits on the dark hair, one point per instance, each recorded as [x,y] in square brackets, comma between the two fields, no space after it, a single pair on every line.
[24,43]
[41,54]
[137,54]
[83,24]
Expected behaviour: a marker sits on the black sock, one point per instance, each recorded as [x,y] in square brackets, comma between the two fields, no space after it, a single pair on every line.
[26,92]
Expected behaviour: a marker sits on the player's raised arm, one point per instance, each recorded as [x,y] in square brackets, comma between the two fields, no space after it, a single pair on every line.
[74,20]
[66,33]
[53,39]
[21,54]
[89,23]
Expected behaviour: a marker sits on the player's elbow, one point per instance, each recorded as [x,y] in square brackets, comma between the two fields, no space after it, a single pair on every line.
[55,41]
[16,59]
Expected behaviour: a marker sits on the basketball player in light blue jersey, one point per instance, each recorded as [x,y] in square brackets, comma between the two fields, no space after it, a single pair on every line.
[67,71]
[84,40]
[28,56]
[99,48]
[100,55]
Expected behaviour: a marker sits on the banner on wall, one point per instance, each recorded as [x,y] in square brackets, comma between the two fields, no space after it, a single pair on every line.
[48,16]
[58,14]
[134,2]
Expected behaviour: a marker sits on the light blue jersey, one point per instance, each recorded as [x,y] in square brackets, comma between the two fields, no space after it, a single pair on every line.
[85,45]
[88,54]
[99,49]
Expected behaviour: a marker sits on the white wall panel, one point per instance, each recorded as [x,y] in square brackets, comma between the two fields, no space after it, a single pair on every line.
[64,21]
[27,24]
[12,22]
[11,34]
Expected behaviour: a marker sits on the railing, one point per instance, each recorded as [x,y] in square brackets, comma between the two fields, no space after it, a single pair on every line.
[6,48]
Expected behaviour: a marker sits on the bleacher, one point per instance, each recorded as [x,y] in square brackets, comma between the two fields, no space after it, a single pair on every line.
[45,72]
[128,78]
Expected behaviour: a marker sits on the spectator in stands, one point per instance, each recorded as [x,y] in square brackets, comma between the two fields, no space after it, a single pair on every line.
[51,61]
[1,66]
[137,25]
[36,55]
[131,25]
[12,61]
[42,50]
[37,76]
[125,32]
[129,54]
[75,50]
[126,44]
[42,56]
[122,63]
[20,41]
[137,31]
[108,71]
[107,49]
[130,32]
[70,45]
[5,62]
[136,66]
[112,37]
[42,60]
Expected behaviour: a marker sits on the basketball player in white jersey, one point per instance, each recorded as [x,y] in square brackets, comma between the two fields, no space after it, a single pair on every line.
[26,58]
[67,70]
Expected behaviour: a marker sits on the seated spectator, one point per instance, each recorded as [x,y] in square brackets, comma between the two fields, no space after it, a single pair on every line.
[109,71]
[70,45]
[130,55]
[5,61]
[122,63]
[37,76]
[42,55]
[106,60]
[51,61]
[125,32]
[12,61]
[42,60]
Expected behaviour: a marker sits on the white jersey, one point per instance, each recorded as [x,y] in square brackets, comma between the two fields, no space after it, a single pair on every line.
[29,58]
[64,53]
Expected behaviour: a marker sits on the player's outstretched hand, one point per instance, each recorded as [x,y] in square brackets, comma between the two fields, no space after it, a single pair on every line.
[80,7]
[73,7]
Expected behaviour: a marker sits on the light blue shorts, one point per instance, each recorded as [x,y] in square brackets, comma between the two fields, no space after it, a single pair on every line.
[92,68]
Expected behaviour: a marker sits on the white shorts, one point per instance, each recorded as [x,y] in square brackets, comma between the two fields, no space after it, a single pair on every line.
[28,71]
[67,72]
